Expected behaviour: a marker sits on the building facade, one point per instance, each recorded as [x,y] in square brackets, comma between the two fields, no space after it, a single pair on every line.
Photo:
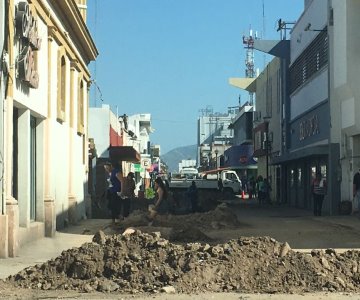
[45,122]
[214,136]
[320,131]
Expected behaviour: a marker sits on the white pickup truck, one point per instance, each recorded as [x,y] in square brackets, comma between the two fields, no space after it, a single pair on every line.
[225,181]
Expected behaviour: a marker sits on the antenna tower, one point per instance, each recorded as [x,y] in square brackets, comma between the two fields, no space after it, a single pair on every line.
[248,42]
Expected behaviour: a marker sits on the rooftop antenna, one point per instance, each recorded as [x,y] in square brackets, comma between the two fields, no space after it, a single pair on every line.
[283,26]
[250,61]
[263,25]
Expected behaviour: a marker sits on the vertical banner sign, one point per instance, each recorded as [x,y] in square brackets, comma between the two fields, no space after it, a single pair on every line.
[29,41]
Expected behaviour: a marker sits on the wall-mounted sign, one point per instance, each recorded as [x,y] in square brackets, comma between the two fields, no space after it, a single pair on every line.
[146,163]
[308,127]
[27,32]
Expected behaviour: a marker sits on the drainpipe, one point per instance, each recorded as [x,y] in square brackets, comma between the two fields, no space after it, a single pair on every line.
[3,40]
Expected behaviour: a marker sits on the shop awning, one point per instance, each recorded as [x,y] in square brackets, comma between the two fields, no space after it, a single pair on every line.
[318,150]
[124,153]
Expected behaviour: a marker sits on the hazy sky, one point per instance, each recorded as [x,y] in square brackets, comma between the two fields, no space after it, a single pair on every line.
[172,58]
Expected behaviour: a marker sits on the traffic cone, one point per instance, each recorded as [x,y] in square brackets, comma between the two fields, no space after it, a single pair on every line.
[243,195]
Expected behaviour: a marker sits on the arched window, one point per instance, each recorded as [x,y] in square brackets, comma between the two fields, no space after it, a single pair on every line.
[81,111]
[61,87]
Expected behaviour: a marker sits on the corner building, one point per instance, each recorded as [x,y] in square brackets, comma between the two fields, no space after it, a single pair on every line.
[45,120]
[323,127]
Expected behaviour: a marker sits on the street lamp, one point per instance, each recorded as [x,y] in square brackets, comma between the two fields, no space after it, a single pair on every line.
[266,145]
[216,156]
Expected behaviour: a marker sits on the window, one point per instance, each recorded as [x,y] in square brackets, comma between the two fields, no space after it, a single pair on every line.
[80,127]
[313,59]
[61,87]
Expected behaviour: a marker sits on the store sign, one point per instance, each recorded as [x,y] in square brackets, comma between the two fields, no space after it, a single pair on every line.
[27,32]
[138,168]
[308,127]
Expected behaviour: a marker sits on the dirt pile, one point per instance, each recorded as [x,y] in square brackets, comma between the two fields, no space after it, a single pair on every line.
[180,228]
[220,217]
[142,262]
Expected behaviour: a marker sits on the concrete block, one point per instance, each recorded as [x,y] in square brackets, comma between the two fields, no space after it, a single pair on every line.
[4,251]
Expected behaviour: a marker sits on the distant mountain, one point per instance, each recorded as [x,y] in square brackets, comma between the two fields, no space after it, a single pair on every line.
[173,157]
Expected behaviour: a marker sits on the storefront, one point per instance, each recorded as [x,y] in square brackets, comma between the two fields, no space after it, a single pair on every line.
[240,158]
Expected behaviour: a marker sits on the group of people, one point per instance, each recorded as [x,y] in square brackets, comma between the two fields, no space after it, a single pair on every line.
[120,192]
[259,188]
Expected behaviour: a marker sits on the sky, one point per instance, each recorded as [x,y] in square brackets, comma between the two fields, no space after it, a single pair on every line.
[172,58]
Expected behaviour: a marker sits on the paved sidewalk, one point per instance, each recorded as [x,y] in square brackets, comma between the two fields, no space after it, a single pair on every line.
[40,251]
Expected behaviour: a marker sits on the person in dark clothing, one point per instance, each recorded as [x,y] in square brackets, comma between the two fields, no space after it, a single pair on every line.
[128,193]
[251,188]
[260,187]
[161,205]
[318,188]
[115,202]
[356,191]
[192,193]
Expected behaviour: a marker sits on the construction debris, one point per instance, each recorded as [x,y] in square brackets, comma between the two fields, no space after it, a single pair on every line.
[139,262]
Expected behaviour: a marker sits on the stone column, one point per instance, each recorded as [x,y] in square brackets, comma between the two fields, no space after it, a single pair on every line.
[12,210]
[72,202]
[24,167]
[49,205]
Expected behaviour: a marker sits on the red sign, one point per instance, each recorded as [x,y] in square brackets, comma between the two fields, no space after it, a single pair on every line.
[243,159]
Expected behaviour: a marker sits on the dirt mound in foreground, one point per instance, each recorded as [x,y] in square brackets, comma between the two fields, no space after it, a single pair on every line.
[148,263]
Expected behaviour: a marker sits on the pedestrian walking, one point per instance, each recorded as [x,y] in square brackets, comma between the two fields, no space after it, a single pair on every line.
[115,202]
[260,187]
[128,193]
[192,194]
[318,188]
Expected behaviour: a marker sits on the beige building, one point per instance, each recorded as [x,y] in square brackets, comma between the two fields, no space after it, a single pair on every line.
[45,120]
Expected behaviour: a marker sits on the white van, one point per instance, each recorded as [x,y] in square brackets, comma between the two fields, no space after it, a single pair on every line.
[189,173]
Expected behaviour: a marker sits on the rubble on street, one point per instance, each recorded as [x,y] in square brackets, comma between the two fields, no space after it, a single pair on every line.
[147,263]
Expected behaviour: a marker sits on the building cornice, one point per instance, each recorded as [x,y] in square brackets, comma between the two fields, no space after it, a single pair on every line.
[62,38]
[70,14]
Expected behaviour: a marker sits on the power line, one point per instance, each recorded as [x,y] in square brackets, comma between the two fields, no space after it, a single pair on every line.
[174,121]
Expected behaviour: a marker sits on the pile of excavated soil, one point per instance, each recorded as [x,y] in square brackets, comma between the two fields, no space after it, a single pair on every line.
[221,217]
[141,262]
[180,228]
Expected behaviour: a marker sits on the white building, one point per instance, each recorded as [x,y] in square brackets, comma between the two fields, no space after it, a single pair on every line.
[212,129]
[105,129]
[46,154]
